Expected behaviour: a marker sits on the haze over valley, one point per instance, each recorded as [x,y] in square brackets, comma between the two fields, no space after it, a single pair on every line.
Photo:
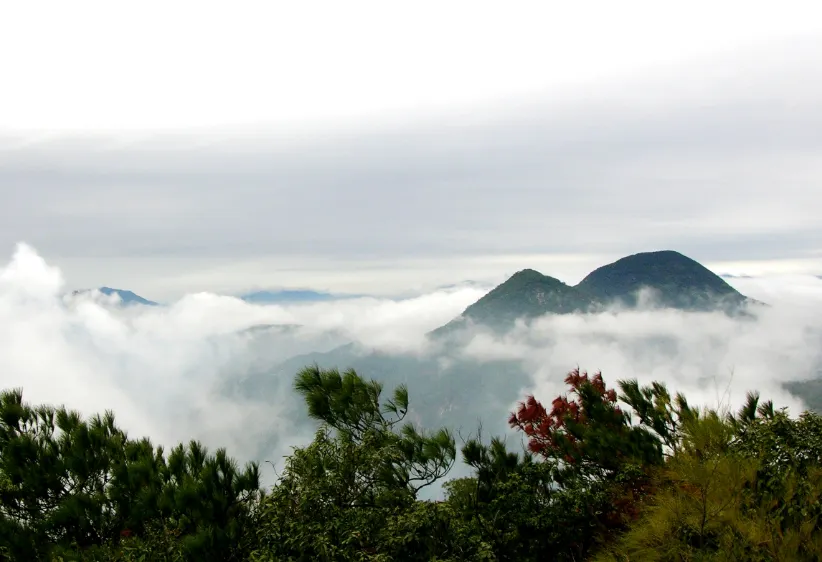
[219,368]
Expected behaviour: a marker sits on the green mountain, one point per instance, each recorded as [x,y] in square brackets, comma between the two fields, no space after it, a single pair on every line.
[445,389]
[443,376]
[527,294]
[809,391]
[677,281]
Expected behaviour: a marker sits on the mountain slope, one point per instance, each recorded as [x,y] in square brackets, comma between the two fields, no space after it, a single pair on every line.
[677,280]
[526,294]
[809,391]
[437,383]
[288,296]
[126,297]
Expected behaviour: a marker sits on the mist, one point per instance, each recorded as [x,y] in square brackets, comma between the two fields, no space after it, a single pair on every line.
[161,369]
[165,370]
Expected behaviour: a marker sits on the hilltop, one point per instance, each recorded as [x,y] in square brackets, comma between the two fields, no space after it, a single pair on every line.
[526,294]
[675,281]
[126,297]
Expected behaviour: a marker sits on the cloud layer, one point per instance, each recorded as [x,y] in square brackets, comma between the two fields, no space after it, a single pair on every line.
[160,369]
[164,370]
[715,158]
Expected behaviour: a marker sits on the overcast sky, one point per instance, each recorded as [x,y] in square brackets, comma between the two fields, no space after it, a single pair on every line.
[362,147]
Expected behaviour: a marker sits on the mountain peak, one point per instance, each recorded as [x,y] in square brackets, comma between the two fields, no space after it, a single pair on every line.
[126,297]
[526,274]
[526,294]
[677,280]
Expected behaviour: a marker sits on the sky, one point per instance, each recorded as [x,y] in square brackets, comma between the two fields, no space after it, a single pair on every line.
[367,148]
[189,150]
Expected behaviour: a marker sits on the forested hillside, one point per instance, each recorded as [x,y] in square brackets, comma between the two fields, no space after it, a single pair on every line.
[621,472]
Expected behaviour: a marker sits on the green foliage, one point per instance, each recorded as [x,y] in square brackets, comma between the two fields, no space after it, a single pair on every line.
[410,460]
[515,504]
[74,485]
[351,494]
[640,475]
[582,480]
[741,487]
[789,468]
[701,491]
[588,436]
[657,411]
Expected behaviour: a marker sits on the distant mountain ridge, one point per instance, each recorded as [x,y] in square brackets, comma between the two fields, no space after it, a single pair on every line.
[453,388]
[285,296]
[675,281]
[526,294]
[126,297]
[292,296]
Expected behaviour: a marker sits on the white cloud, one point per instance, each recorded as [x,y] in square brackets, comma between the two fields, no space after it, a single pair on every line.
[160,368]
[713,359]
[165,370]
[792,288]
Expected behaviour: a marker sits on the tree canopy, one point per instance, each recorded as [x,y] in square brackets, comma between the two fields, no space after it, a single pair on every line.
[625,473]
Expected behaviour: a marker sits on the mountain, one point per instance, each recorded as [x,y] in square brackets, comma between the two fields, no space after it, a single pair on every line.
[464,390]
[468,284]
[126,297]
[677,281]
[291,296]
[809,391]
[526,294]
[454,391]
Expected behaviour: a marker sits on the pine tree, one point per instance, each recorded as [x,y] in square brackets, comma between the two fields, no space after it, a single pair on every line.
[338,497]
[73,485]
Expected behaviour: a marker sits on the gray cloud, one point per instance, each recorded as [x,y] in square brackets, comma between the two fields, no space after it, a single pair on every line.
[717,160]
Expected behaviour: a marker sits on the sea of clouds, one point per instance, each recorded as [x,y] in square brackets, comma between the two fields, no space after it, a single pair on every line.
[163,370]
